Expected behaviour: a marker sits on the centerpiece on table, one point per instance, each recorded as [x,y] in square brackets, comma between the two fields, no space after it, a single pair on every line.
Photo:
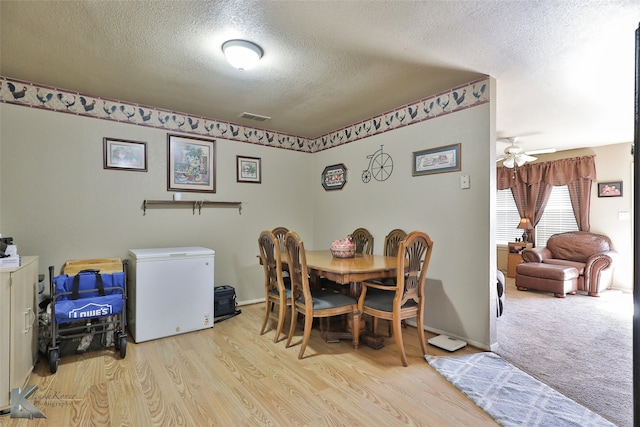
[343,248]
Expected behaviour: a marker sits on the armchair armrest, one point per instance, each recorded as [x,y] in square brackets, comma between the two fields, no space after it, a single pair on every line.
[387,286]
[377,284]
[600,261]
[598,272]
[536,254]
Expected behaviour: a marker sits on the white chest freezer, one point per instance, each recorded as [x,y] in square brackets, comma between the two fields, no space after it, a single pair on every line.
[170,291]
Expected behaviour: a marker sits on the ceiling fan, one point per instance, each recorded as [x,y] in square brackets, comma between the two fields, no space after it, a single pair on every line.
[514,155]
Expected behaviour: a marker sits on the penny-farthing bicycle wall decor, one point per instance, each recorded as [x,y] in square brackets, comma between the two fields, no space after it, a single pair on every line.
[380,166]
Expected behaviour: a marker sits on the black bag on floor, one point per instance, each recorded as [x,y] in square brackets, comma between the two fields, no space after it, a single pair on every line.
[224,300]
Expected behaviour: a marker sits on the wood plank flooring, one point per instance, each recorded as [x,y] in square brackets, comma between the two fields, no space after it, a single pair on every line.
[232,376]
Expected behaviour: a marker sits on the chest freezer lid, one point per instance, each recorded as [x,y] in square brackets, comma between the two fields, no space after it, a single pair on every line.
[170,252]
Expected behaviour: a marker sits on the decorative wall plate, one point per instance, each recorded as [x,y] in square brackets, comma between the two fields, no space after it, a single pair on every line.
[334,177]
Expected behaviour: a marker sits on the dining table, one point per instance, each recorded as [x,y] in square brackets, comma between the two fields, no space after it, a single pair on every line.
[350,271]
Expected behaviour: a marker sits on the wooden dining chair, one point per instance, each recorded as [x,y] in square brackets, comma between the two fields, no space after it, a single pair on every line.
[280,232]
[391,245]
[276,287]
[312,303]
[405,299]
[363,240]
[392,241]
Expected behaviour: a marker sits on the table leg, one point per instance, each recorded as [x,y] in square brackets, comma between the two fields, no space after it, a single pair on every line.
[336,336]
[347,334]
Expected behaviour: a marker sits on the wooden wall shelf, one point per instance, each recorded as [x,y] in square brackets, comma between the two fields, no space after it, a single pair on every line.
[194,204]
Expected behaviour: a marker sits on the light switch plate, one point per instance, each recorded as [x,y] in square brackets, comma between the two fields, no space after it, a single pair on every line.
[465,182]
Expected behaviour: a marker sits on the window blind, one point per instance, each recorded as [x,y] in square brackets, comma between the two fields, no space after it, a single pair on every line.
[557,218]
[507,218]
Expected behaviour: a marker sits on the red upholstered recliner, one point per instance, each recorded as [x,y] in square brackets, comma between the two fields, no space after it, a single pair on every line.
[590,253]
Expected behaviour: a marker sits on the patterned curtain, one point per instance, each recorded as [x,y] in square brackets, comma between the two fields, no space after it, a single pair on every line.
[531,185]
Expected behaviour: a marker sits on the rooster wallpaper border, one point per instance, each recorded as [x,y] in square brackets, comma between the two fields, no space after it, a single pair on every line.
[19,92]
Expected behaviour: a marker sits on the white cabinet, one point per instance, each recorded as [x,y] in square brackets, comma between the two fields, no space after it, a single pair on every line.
[18,326]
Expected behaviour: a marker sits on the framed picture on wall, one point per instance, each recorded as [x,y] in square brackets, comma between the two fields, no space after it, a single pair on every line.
[436,160]
[124,154]
[248,169]
[334,177]
[610,189]
[191,164]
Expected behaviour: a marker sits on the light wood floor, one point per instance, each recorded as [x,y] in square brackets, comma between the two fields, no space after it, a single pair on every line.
[231,376]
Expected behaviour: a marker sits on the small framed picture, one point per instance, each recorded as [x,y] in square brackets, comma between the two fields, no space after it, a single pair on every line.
[436,160]
[124,154]
[334,177]
[248,169]
[191,164]
[610,189]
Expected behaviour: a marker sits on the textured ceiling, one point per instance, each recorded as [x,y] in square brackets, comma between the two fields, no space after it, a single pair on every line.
[564,69]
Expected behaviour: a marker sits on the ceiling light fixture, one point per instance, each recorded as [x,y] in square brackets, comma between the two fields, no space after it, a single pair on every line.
[242,54]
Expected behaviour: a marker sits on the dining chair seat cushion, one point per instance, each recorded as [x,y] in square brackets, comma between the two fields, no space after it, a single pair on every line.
[287,290]
[324,299]
[383,301]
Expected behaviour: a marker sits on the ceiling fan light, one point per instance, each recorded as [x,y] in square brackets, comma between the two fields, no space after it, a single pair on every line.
[242,54]
[513,149]
[520,161]
[508,162]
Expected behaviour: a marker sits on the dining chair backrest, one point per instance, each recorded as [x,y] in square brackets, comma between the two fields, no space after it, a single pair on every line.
[271,261]
[313,303]
[280,232]
[413,257]
[297,262]
[363,240]
[274,282]
[392,241]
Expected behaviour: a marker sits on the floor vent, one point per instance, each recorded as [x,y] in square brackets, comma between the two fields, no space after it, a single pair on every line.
[256,117]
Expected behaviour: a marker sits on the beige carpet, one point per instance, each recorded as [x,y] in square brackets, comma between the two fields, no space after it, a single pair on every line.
[580,346]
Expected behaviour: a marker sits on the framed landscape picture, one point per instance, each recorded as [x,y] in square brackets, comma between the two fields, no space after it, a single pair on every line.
[124,154]
[248,169]
[191,164]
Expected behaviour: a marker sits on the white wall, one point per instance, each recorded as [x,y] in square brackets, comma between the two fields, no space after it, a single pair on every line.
[60,204]
[615,163]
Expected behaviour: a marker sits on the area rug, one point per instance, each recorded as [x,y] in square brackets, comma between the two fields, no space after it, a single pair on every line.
[510,396]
